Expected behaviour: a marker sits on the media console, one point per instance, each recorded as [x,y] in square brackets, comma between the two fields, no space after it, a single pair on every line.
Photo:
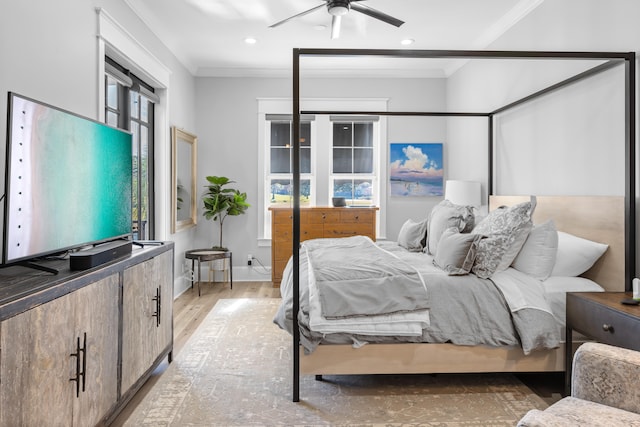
[99,332]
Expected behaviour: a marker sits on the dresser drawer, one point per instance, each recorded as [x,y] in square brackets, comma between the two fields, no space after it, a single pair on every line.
[284,234]
[347,229]
[282,216]
[602,323]
[357,215]
[319,216]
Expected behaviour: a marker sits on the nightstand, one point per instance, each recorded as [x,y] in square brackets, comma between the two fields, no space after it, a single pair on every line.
[602,317]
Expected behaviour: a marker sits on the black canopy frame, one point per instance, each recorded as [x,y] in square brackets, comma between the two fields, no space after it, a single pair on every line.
[611,59]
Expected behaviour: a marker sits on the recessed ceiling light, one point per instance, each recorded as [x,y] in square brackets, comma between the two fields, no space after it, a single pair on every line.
[407,42]
[320,27]
[250,40]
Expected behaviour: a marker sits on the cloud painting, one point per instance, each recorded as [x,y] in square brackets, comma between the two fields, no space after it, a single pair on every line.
[416,169]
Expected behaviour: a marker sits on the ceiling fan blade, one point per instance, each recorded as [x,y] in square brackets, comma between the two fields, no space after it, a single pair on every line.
[313,9]
[335,26]
[376,14]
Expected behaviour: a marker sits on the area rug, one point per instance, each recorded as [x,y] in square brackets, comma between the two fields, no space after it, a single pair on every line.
[236,371]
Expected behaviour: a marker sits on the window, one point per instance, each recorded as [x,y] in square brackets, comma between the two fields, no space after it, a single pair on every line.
[354,168]
[129,104]
[280,174]
[340,156]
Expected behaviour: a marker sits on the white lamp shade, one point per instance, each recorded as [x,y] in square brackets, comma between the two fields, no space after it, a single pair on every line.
[466,193]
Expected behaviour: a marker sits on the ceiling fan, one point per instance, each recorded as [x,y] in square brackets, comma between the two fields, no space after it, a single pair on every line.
[338,8]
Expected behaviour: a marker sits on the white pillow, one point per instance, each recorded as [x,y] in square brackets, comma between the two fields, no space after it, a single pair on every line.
[411,235]
[538,254]
[576,255]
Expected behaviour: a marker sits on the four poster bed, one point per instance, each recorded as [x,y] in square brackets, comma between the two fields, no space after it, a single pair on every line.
[313,283]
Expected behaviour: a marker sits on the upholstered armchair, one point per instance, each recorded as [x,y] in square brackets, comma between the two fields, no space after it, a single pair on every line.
[605,391]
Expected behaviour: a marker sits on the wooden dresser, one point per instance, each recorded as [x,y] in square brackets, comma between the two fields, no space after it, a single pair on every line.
[315,223]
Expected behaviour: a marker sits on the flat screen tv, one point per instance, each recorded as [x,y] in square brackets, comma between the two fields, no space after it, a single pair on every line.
[67,182]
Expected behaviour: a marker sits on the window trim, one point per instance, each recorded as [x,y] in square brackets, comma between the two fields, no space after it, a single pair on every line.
[283,106]
[116,42]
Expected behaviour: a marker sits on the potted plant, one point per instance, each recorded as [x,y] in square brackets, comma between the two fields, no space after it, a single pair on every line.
[220,202]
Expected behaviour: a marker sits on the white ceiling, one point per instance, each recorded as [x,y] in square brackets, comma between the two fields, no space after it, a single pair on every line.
[207,36]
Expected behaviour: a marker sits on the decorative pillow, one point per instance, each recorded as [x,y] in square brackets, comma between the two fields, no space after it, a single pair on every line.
[538,254]
[456,252]
[411,235]
[447,215]
[576,255]
[506,230]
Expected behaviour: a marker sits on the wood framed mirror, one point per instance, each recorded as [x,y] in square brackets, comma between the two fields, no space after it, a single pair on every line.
[184,148]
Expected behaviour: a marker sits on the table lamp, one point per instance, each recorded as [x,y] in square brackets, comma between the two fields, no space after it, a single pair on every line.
[465,193]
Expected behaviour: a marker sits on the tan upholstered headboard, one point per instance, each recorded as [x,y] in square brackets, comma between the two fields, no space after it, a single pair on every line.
[597,218]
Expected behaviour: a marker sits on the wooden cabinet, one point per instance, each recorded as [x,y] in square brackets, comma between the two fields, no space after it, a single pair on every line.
[315,223]
[59,361]
[74,347]
[147,323]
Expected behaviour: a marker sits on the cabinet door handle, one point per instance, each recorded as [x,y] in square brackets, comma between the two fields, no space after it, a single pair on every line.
[607,328]
[156,314]
[83,350]
[76,379]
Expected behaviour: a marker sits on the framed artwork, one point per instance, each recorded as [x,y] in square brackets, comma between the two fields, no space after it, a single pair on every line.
[416,169]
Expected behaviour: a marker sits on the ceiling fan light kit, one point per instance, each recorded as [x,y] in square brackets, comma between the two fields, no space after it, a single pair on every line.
[339,8]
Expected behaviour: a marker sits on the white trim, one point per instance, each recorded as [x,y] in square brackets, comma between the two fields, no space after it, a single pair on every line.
[124,44]
[117,42]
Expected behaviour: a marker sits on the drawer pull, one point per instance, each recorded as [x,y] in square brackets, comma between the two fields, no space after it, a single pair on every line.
[607,328]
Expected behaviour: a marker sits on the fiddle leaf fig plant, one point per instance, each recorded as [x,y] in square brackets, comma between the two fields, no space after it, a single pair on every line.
[221,201]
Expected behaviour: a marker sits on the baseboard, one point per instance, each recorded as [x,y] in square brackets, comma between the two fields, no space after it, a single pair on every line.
[252,274]
[240,274]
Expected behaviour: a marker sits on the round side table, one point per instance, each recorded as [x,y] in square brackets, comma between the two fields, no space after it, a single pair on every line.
[204,255]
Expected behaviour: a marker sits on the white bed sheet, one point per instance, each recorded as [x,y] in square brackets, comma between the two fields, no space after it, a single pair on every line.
[556,288]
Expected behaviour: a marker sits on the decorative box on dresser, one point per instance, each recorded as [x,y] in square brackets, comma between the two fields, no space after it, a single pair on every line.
[66,340]
[602,317]
[315,223]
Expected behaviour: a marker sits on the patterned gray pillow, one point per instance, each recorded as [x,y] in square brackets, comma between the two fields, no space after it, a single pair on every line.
[447,215]
[506,230]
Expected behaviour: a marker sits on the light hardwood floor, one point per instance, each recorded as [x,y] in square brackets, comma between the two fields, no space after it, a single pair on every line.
[189,311]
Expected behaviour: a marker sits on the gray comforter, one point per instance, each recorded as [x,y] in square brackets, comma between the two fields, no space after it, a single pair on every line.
[355,277]
[463,310]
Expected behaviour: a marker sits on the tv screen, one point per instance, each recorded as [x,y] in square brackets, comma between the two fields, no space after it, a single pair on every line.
[67,183]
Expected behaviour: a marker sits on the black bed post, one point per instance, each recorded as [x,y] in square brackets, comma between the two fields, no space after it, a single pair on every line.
[630,181]
[296,223]
[490,159]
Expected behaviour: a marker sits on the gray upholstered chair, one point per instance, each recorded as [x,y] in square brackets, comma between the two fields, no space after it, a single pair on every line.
[605,391]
